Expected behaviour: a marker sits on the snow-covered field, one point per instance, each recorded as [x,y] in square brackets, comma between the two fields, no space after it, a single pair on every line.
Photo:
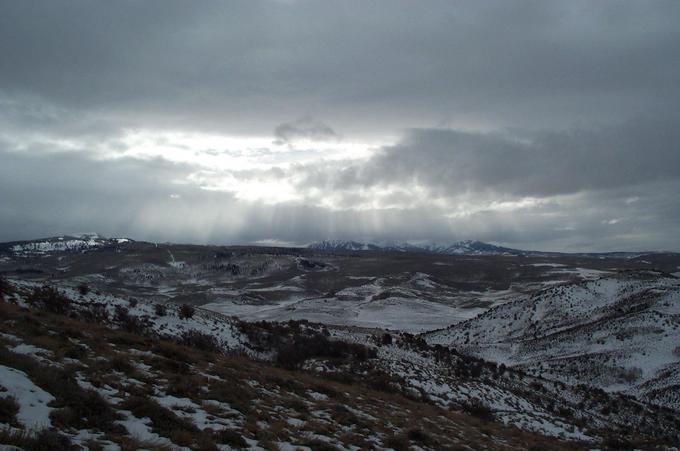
[363,306]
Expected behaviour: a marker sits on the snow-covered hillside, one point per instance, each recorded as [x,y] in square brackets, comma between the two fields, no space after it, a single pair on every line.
[466,247]
[70,382]
[397,362]
[620,333]
[80,243]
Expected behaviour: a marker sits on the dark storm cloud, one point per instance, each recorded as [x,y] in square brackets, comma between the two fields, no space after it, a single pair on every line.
[452,162]
[243,65]
[304,128]
[46,195]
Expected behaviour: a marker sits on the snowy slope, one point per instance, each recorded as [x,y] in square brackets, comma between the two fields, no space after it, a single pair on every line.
[467,247]
[464,247]
[619,333]
[80,243]
[130,391]
[445,378]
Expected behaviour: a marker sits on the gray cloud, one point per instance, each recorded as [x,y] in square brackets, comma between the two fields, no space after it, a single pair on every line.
[304,128]
[450,163]
[56,194]
[572,105]
[365,67]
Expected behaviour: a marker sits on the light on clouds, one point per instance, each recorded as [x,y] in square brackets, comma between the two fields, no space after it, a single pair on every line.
[544,125]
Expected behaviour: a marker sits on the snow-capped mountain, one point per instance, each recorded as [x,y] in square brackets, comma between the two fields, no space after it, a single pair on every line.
[343,245]
[466,247]
[66,243]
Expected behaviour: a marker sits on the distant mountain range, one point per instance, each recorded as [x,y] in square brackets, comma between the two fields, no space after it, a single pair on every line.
[66,243]
[92,241]
[465,247]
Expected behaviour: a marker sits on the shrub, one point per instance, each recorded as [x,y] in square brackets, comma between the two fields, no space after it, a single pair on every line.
[160,309]
[617,442]
[172,352]
[49,299]
[130,323]
[318,445]
[9,407]
[120,364]
[631,374]
[83,289]
[200,340]
[230,437]
[387,339]
[301,348]
[164,421]
[186,311]
[5,288]
[536,386]
[418,436]
[133,302]
[343,416]
[478,409]
[96,313]
[396,442]
[475,370]
[44,440]
[204,442]
[84,409]
[77,352]
[172,366]
[182,386]
[382,381]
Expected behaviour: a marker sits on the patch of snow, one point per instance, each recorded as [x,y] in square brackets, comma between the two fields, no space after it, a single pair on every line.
[584,273]
[288,446]
[33,410]
[31,350]
[317,396]
[295,422]
[140,428]
[10,337]
[186,408]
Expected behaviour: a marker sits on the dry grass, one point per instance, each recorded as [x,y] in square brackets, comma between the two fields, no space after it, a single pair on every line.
[40,441]
[259,391]
[9,408]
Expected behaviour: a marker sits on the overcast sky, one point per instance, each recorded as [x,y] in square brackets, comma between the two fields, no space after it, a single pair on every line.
[551,125]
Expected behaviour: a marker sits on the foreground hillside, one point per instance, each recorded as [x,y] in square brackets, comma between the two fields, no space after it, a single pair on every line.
[187,370]
[67,381]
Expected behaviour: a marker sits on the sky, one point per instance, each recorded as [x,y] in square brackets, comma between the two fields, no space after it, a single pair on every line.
[540,124]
